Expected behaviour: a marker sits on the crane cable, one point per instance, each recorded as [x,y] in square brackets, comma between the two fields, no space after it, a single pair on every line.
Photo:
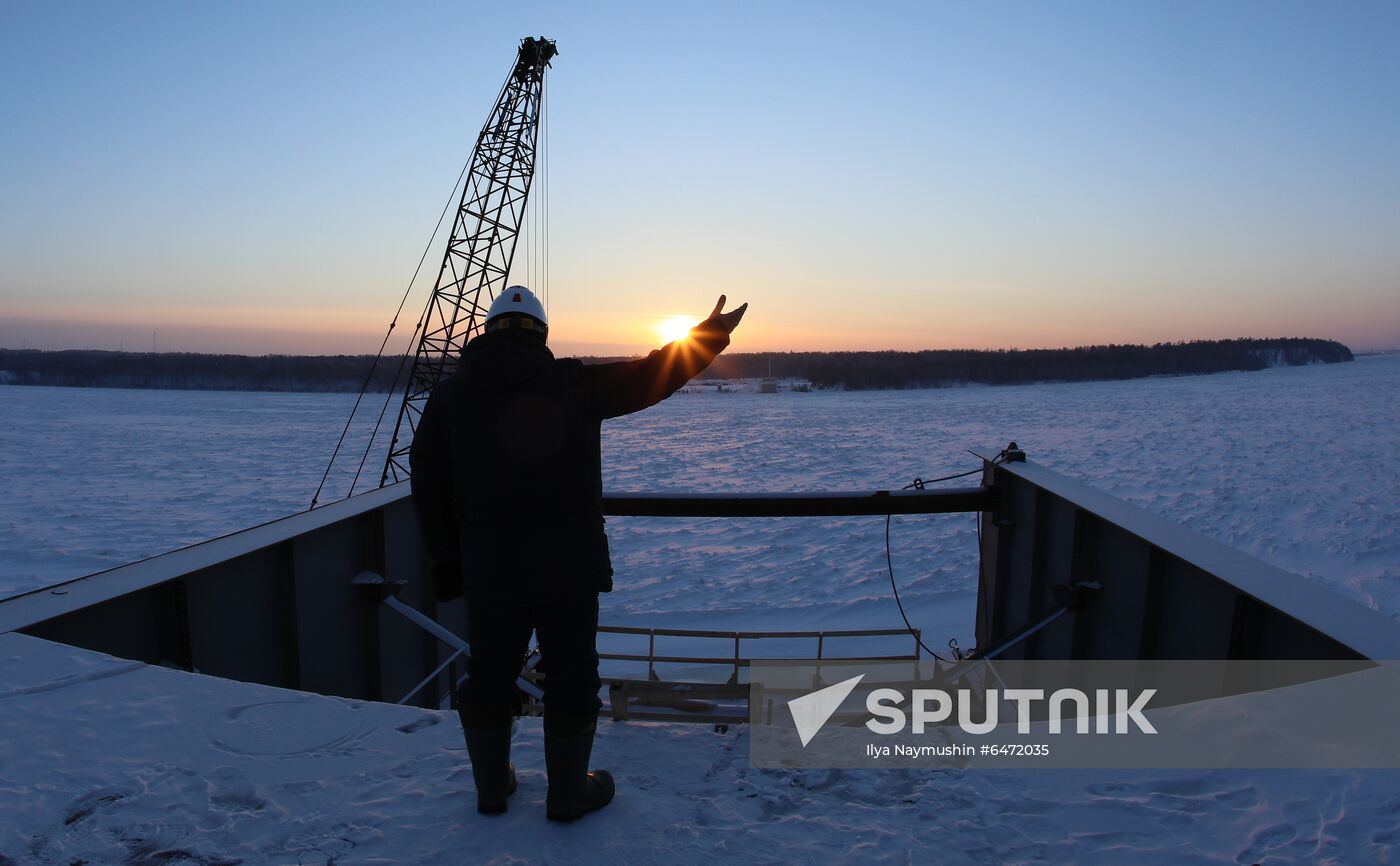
[538,253]
[544,193]
[315,498]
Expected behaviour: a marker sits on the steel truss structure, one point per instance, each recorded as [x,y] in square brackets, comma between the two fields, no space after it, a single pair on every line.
[477,261]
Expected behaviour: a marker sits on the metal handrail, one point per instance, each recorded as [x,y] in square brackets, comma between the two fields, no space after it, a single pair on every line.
[943,500]
[691,632]
[738,660]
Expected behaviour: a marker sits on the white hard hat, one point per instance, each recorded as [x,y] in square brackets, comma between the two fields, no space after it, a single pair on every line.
[515,308]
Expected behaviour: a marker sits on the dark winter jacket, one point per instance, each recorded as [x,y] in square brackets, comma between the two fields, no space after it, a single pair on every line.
[507,470]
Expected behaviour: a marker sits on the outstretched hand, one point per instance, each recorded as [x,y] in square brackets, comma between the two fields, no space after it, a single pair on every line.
[722,321]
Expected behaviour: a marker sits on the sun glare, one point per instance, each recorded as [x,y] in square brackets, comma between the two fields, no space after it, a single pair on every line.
[674,328]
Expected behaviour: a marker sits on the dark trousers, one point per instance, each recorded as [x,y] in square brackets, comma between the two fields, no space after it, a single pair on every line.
[499,635]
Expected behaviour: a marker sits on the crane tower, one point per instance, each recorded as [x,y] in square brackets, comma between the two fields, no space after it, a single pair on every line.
[477,261]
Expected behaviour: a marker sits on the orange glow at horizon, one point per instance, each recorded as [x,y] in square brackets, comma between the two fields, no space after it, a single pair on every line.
[620,320]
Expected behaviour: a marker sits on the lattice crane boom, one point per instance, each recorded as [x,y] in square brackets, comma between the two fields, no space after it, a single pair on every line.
[476,263]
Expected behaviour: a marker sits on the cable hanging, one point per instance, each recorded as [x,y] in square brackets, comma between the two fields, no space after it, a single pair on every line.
[920,484]
[544,123]
[316,497]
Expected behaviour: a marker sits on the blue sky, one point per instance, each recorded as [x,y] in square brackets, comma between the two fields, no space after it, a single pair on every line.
[263,177]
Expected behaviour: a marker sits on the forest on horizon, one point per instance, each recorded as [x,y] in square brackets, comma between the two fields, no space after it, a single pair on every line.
[931,368]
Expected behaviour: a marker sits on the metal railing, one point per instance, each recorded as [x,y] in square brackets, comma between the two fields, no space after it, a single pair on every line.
[944,500]
[738,660]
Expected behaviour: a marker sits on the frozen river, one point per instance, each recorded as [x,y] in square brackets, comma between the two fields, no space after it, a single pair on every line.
[1296,465]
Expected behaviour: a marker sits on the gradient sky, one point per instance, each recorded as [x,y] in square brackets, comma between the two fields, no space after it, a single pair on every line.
[263,177]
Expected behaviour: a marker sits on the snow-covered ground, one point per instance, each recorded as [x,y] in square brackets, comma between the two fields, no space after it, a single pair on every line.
[102,761]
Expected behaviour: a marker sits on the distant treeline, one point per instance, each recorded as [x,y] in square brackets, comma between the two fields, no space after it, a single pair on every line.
[850,370]
[943,367]
[90,368]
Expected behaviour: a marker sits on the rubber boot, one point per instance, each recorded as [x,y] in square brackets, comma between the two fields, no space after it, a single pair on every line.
[573,790]
[488,731]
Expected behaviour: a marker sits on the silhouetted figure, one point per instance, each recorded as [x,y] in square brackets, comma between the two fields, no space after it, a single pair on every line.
[507,478]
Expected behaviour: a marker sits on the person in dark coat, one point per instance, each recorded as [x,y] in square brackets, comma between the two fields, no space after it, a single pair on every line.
[506,472]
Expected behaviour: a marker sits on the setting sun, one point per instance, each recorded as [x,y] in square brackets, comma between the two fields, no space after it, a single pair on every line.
[674,328]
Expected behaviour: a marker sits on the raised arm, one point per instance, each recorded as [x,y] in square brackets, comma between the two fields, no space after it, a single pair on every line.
[629,386]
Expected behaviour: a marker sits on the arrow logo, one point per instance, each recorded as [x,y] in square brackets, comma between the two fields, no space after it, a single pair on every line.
[811,711]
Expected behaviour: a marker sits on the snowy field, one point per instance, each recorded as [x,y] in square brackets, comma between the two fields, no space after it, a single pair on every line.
[1297,466]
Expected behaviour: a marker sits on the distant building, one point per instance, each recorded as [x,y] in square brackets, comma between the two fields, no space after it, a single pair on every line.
[765,385]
